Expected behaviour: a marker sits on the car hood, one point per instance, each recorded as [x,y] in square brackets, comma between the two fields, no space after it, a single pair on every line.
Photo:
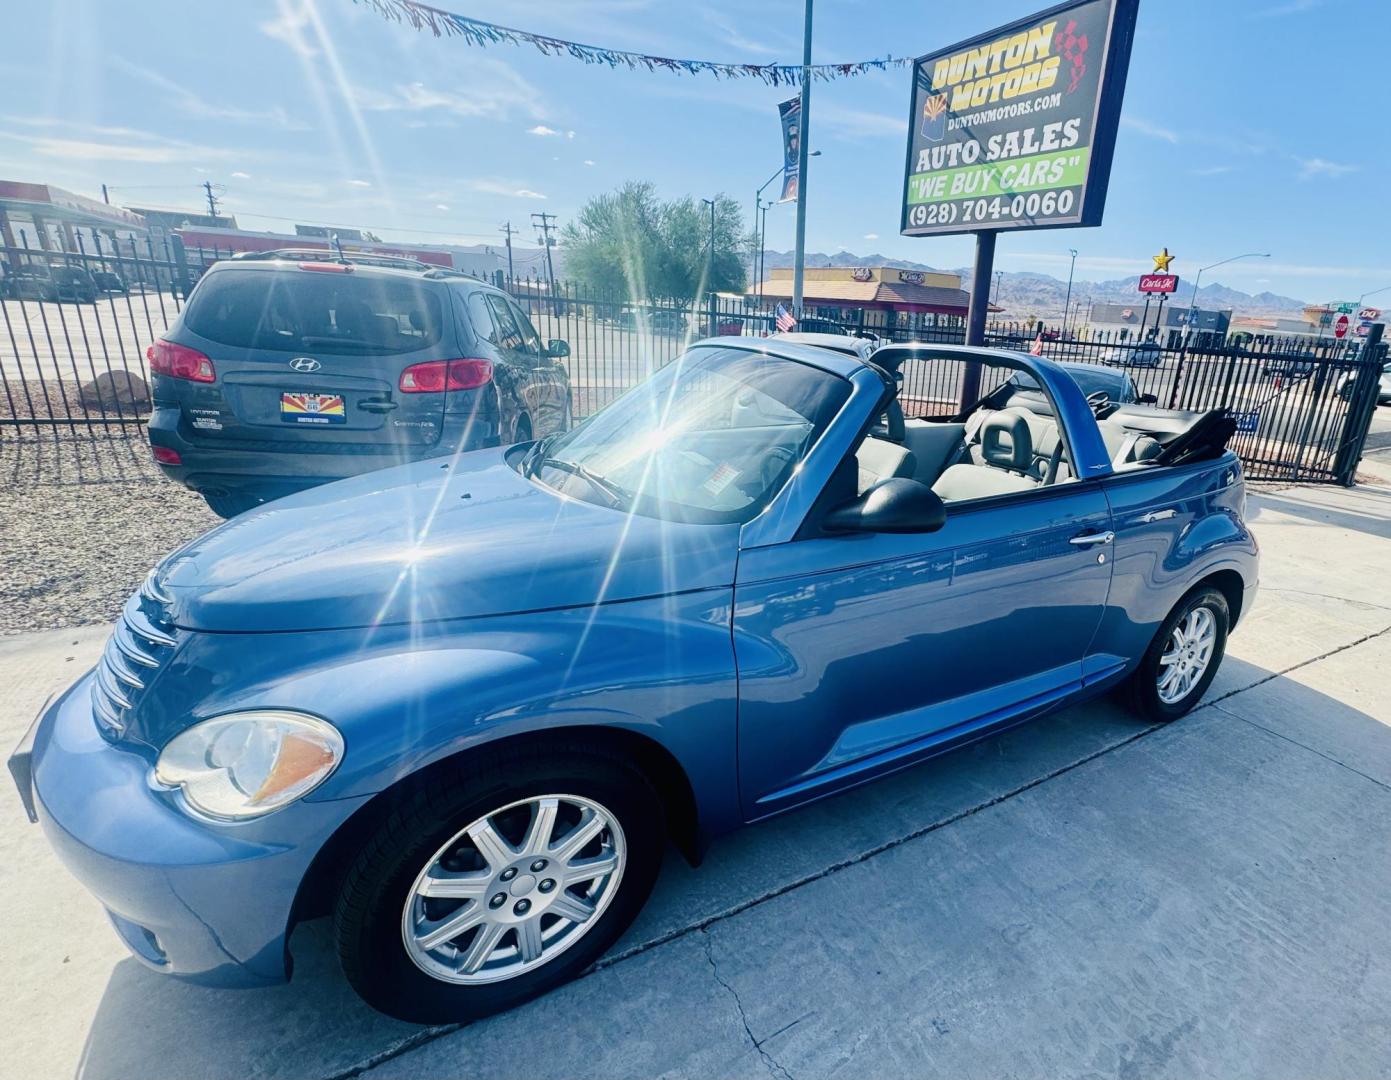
[464,538]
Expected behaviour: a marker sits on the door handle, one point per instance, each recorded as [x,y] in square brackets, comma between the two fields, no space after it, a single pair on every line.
[377,405]
[1088,539]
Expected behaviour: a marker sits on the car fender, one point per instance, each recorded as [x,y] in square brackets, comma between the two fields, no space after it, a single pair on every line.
[408,697]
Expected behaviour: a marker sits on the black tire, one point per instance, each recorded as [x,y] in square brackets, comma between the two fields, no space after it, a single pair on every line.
[368,916]
[229,506]
[1142,690]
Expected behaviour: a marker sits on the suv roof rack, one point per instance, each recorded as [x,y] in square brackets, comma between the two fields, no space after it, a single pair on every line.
[361,258]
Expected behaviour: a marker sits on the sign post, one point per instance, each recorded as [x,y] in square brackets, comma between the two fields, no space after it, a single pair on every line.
[1015,129]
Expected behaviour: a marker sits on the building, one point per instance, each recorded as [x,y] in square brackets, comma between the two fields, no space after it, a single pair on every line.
[47,218]
[205,243]
[1137,320]
[874,297]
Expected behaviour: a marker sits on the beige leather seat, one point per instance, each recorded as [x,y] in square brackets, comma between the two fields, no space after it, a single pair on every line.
[1007,455]
[879,459]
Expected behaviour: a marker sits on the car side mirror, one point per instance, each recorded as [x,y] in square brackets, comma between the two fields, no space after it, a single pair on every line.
[557,349]
[896,505]
[1147,399]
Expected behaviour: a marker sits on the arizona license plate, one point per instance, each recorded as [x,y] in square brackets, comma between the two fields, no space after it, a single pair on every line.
[313,409]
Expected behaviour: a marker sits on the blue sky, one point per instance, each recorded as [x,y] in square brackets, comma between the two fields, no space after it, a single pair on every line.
[1249,125]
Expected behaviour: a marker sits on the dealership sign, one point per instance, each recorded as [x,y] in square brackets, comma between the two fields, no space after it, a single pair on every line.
[1014,129]
[1160,283]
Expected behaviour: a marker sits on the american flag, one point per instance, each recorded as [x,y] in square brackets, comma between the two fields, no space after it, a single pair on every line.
[784,321]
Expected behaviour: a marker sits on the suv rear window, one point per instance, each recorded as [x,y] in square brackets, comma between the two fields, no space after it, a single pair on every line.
[300,311]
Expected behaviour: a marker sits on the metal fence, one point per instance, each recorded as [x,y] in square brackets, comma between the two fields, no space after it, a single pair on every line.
[75,327]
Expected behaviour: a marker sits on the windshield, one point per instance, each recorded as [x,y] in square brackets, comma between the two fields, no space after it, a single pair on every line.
[711,437]
[300,311]
[1090,379]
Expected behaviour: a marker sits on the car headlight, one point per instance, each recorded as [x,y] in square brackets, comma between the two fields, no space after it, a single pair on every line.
[247,764]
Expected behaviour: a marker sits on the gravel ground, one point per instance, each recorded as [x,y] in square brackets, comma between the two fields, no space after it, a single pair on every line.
[82,519]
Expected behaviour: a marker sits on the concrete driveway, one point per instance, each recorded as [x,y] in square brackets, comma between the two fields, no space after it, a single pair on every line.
[1083,896]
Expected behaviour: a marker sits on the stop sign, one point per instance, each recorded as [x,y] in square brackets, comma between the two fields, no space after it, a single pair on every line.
[1340,328]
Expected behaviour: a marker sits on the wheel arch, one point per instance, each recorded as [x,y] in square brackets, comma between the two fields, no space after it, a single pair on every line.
[1232,587]
[669,780]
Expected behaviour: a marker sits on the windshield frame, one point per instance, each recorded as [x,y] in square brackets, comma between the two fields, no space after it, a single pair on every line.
[652,504]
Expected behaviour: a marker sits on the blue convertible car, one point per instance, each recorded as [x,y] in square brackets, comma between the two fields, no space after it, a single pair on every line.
[462,706]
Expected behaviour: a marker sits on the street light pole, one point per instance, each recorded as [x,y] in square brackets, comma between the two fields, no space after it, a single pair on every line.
[1193,300]
[762,231]
[710,267]
[1067,303]
[803,130]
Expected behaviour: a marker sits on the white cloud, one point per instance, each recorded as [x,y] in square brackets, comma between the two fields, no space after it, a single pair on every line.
[239,175]
[1294,7]
[871,236]
[441,206]
[856,123]
[1317,166]
[288,27]
[1212,170]
[95,143]
[198,105]
[488,88]
[1144,127]
[588,162]
[542,129]
[360,183]
[501,187]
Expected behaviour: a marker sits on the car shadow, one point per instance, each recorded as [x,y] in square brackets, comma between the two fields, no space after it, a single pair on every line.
[150,1026]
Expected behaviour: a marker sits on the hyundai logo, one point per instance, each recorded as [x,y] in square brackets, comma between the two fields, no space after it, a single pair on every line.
[305,363]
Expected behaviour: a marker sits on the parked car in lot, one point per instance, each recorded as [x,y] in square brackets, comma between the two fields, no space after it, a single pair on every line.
[74,284]
[31,281]
[1100,385]
[1138,354]
[108,281]
[291,369]
[1289,365]
[1383,385]
[462,705]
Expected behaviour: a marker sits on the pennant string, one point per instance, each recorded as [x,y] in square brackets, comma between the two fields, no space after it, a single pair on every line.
[481,34]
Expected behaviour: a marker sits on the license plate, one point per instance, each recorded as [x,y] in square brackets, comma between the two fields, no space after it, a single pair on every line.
[313,409]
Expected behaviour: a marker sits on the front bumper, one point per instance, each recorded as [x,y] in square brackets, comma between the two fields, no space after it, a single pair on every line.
[211,903]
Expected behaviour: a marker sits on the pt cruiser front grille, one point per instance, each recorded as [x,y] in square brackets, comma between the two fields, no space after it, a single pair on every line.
[138,646]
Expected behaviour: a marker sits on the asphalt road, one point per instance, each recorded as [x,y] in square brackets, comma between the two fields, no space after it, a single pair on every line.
[1083,896]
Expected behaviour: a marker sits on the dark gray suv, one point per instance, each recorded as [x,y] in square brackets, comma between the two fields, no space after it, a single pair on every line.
[290,369]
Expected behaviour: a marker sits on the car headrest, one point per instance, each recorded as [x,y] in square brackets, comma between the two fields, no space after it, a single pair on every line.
[1005,441]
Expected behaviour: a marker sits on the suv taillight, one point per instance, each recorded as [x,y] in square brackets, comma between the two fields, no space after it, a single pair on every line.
[179,362]
[437,376]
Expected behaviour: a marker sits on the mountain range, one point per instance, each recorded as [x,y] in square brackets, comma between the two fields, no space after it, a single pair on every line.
[1026,293]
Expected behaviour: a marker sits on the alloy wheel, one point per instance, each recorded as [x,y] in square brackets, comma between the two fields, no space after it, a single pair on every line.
[514,889]
[1189,652]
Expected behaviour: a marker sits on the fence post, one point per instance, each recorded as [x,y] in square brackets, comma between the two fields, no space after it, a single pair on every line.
[1364,407]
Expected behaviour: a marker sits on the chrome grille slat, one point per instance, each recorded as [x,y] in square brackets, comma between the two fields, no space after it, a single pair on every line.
[124,640]
[114,660]
[107,682]
[134,653]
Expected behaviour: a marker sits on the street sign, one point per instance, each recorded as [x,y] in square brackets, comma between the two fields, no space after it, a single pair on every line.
[1158,283]
[1345,307]
[1014,129]
[1340,328]
[1248,422]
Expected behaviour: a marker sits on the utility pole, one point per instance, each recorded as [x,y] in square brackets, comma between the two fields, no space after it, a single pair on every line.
[507,231]
[105,196]
[998,275]
[545,223]
[803,139]
[1068,302]
[710,267]
[212,199]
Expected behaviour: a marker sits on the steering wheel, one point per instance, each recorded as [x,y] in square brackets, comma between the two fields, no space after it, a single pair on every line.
[1098,401]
